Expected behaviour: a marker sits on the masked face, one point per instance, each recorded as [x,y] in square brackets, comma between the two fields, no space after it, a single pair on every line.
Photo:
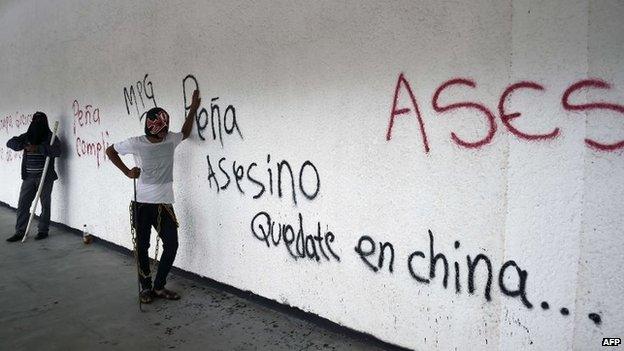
[38,129]
[156,122]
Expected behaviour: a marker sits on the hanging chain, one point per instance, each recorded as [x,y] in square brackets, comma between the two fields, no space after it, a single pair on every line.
[157,235]
[169,210]
[134,244]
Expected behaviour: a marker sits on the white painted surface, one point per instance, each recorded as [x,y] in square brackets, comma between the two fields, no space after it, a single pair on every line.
[315,81]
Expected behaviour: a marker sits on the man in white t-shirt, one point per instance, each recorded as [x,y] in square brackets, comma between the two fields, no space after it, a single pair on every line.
[153,156]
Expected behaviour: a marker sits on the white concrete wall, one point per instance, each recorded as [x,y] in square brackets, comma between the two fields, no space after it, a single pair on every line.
[316,81]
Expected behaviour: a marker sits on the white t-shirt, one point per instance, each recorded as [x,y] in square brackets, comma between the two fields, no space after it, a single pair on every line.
[155,184]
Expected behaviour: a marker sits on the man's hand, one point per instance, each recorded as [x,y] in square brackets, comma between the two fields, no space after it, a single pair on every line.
[196,100]
[31,148]
[133,173]
[188,123]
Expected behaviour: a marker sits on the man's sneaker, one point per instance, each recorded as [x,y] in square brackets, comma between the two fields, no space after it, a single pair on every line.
[41,236]
[15,237]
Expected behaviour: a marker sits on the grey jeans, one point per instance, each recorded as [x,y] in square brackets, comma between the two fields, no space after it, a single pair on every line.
[28,191]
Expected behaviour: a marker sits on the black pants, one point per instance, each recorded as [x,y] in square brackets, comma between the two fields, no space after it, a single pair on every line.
[28,191]
[155,215]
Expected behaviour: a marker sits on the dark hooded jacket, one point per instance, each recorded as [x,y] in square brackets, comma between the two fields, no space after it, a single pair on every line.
[38,133]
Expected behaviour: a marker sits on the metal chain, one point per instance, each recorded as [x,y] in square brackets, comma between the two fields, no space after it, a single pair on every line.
[158,228]
[157,235]
[134,244]
[169,209]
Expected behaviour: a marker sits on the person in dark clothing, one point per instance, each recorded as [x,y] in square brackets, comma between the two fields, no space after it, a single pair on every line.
[36,146]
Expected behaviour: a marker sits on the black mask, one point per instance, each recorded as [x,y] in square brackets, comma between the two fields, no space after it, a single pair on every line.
[38,130]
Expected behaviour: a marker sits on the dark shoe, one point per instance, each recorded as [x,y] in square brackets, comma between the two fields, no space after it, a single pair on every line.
[15,237]
[166,294]
[41,236]
[146,296]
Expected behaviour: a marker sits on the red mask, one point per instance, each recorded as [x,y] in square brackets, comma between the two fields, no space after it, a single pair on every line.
[155,122]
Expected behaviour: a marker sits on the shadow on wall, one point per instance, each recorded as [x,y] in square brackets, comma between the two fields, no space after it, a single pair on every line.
[62,164]
[187,232]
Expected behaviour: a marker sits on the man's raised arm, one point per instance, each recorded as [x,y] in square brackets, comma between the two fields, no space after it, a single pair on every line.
[188,122]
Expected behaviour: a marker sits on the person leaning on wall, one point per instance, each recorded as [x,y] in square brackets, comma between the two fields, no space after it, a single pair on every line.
[153,206]
[36,146]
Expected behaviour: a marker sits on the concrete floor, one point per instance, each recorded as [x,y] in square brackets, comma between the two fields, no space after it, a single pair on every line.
[59,294]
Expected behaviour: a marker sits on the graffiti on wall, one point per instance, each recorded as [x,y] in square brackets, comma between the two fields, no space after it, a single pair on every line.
[302,238]
[429,266]
[142,91]
[218,117]
[568,98]
[300,245]
[15,121]
[90,140]
[282,179]
[12,125]
[297,243]
[475,275]
[278,180]
[8,155]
